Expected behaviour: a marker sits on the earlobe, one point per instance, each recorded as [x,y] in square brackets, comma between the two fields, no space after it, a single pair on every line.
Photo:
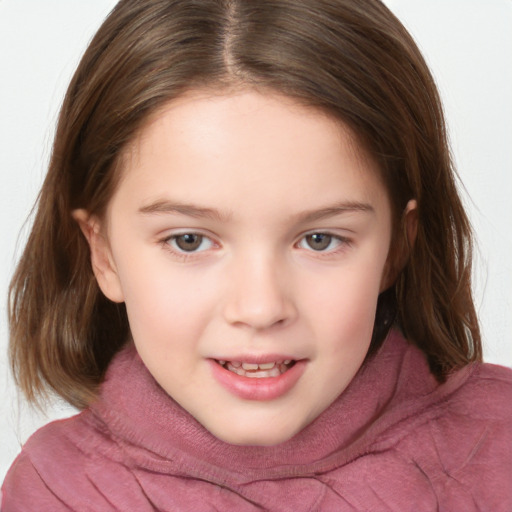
[102,261]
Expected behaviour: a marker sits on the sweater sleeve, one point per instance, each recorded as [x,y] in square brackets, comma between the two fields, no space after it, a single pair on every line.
[483,467]
[466,452]
[66,466]
[483,479]
[51,474]
[24,490]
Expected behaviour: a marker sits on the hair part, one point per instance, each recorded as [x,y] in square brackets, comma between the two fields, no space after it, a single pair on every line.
[350,58]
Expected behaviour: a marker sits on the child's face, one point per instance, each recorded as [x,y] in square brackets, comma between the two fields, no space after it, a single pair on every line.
[247,229]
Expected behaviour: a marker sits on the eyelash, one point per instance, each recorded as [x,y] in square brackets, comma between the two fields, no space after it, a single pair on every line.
[170,243]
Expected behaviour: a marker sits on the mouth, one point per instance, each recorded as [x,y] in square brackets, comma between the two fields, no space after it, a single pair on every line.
[261,381]
[257,370]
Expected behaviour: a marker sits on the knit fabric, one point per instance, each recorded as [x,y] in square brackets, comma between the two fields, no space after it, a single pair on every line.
[394,440]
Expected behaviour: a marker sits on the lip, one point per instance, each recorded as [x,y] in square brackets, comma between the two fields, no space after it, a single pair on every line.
[258,389]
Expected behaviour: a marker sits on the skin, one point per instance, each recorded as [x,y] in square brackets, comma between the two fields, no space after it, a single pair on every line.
[253,175]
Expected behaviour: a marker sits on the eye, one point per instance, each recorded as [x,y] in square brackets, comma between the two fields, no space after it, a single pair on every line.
[321,242]
[189,242]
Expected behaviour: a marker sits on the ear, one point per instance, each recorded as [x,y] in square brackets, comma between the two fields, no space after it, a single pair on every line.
[402,244]
[102,261]
[411,222]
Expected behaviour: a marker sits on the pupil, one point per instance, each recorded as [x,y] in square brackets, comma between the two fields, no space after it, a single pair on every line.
[319,241]
[189,242]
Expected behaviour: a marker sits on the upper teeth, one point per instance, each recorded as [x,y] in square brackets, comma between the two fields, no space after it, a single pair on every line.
[271,369]
[254,366]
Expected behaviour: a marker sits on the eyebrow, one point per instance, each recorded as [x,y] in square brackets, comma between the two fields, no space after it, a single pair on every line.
[191,210]
[337,209]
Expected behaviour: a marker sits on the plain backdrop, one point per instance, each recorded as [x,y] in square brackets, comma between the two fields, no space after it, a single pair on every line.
[468,44]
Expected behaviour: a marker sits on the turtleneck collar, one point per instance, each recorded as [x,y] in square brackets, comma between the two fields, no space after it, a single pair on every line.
[156,433]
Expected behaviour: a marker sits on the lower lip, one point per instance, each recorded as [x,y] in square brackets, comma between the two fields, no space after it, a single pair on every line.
[261,389]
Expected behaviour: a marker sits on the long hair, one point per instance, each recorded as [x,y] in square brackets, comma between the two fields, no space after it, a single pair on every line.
[350,58]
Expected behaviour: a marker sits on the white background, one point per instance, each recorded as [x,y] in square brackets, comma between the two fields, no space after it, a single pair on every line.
[468,44]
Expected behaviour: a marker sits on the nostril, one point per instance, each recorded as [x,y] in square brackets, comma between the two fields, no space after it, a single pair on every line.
[259,298]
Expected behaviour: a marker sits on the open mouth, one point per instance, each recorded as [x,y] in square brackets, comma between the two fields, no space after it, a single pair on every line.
[262,381]
[258,371]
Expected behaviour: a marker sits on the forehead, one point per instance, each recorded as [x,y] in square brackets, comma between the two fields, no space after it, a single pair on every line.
[204,108]
[203,141]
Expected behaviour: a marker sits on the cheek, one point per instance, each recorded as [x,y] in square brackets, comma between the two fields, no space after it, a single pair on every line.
[347,295]
[164,302]
[344,318]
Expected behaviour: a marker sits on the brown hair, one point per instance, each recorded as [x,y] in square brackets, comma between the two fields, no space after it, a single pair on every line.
[350,58]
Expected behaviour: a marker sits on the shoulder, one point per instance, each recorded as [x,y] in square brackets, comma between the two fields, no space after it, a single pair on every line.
[489,389]
[464,446]
[54,469]
[25,489]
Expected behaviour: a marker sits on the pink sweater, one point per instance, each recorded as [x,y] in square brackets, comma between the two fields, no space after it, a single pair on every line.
[394,440]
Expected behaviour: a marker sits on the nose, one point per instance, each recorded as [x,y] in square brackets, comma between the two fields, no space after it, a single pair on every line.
[259,295]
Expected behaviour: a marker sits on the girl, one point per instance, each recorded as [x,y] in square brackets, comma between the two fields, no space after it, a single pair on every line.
[250,268]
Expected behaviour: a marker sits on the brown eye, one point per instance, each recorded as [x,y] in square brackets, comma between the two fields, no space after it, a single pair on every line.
[188,242]
[319,241]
